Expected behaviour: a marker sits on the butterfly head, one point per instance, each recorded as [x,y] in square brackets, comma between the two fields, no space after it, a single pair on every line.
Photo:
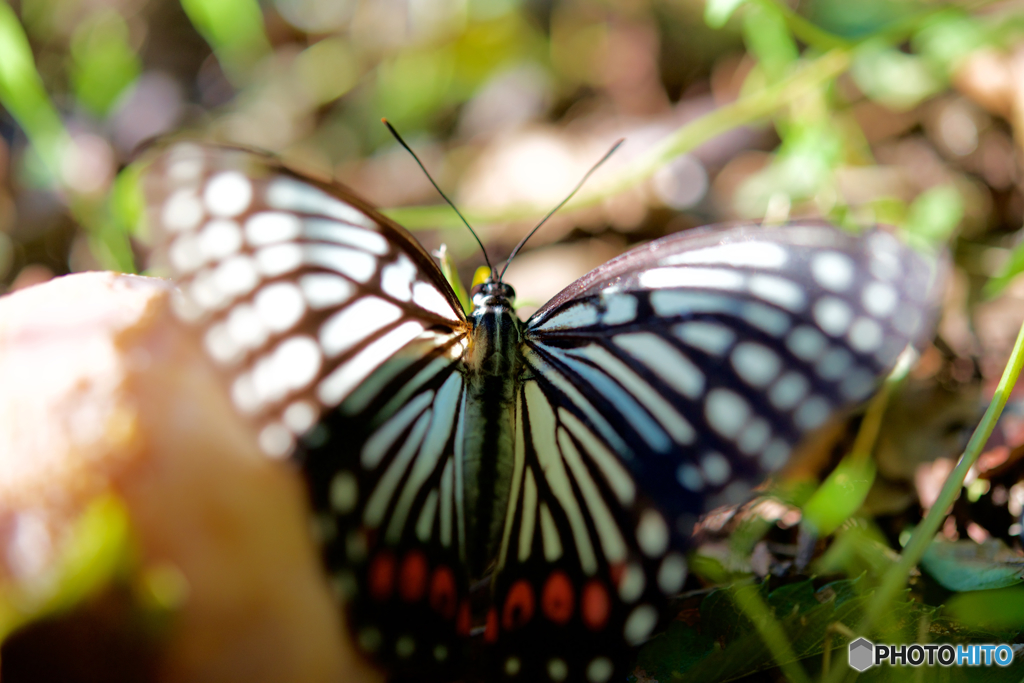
[491,294]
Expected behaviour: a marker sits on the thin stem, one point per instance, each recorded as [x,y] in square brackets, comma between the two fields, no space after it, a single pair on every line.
[749,600]
[896,578]
[806,31]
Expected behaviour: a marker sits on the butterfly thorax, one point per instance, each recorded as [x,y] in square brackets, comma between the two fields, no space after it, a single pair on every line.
[492,363]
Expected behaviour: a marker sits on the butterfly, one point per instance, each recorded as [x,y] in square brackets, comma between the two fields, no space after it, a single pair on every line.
[510,500]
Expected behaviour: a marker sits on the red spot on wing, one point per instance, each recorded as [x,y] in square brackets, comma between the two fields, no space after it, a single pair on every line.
[491,629]
[595,605]
[442,593]
[519,605]
[464,621]
[557,601]
[413,578]
[381,577]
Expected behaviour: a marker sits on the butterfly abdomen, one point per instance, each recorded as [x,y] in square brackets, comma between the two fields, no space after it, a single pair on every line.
[492,361]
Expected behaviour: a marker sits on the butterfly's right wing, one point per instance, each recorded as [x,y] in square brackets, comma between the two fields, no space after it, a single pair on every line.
[333,326]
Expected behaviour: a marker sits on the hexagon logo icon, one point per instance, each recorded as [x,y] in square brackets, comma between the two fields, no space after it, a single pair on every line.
[862,654]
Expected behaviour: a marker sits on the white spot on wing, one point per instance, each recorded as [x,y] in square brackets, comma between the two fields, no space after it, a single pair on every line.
[280,306]
[789,390]
[672,573]
[333,231]
[726,411]
[639,624]
[246,327]
[185,254]
[683,276]
[291,366]
[865,335]
[833,270]
[806,343]
[352,263]
[292,195]
[185,162]
[671,366]
[879,299]
[558,670]
[775,456]
[323,290]
[220,345]
[833,315]
[812,413]
[427,296]
[737,255]
[347,376]
[182,211]
[300,416]
[619,309]
[779,291]
[765,318]
[716,468]
[356,322]
[632,582]
[344,493]
[667,416]
[710,337]
[754,436]
[667,303]
[582,314]
[690,477]
[219,239]
[278,259]
[270,227]
[599,670]
[380,441]
[227,194]
[396,279]
[756,364]
[857,384]
[834,363]
[236,276]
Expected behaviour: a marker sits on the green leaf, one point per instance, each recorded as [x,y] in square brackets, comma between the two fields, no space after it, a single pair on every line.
[948,37]
[969,566]
[451,274]
[1013,267]
[894,79]
[103,63]
[721,643]
[717,12]
[234,29]
[841,495]
[98,550]
[996,610]
[23,95]
[934,215]
[768,39]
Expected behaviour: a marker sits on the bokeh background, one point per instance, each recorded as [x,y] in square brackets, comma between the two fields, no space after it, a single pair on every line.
[881,110]
[903,112]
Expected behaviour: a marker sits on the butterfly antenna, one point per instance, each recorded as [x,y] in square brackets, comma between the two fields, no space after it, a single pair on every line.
[443,195]
[560,205]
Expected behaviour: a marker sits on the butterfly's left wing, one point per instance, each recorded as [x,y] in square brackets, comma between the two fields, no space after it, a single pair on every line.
[333,326]
[670,381]
[300,289]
